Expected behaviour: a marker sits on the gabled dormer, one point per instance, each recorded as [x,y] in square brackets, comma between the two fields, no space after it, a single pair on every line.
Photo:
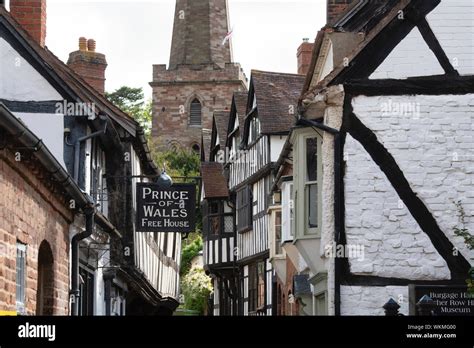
[238,111]
[220,120]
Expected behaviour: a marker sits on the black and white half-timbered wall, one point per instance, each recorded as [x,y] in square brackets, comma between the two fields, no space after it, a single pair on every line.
[255,142]
[218,222]
[114,268]
[383,154]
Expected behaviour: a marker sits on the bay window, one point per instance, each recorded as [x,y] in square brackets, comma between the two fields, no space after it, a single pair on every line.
[307,175]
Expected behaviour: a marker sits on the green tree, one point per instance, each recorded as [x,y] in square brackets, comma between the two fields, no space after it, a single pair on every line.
[179,163]
[196,287]
[132,101]
[190,251]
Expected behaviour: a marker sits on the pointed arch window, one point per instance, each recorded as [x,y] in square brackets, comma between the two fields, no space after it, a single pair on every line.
[195,114]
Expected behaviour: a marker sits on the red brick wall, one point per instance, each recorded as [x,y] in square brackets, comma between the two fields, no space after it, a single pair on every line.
[304,55]
[31,14]
[91,67]
[285,289]
[31,213]
[335,8]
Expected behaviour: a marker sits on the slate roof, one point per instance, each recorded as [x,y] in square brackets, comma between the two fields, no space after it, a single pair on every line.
[213,180]
[240,100]
[221,119]
[276,93]
[205,144]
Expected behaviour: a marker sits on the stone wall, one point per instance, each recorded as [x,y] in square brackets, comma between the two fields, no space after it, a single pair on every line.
[173,92]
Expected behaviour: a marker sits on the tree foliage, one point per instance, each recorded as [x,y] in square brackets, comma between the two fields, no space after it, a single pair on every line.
[132,101]
[179,163]
[190,251]
[196,287]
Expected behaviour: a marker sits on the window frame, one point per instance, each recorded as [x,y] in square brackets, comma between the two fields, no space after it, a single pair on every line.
[301,207]
[21,274]
[257,301]
[98,182]
[191,120]
[86,287]
[244,206]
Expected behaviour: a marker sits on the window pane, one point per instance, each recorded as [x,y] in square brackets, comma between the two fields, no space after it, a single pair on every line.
[292,210]
[20,273]
[228,224]
[278,233]
[311,159]
[312,199]
[195,113]
[261,285]
[214,225]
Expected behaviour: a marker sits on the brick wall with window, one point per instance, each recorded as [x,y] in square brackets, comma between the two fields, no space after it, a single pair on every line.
[30,214]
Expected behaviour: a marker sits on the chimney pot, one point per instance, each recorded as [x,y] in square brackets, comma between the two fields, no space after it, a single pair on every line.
[91,45]
[82,44]
[89,64]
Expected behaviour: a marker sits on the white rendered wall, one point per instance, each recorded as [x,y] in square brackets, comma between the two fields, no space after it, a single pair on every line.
[452,21]
[369,300]
[276,145]
[394,245]
[20,81]
[434,147]
[52,134]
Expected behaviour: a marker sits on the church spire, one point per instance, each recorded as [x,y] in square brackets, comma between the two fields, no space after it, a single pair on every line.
[200,27]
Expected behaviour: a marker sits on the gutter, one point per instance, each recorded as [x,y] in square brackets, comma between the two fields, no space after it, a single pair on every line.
[338,207]
[153,169]
[29,140]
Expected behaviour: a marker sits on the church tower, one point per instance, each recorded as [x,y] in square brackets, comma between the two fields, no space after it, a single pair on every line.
[201,76]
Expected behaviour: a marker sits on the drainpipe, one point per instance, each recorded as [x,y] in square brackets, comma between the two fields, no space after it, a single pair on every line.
[77,148]
[338,220]
[75,291]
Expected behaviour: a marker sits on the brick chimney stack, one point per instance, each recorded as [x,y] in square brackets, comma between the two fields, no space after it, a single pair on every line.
[31,14]
[336,8]
[304,55]
[89,64]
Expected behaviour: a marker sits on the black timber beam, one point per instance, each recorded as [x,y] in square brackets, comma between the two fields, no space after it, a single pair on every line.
[427,85]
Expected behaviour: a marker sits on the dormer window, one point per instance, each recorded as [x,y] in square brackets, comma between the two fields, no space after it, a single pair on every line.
[195,113]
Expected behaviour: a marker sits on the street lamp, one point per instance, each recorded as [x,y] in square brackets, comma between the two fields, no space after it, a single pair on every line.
[164,180]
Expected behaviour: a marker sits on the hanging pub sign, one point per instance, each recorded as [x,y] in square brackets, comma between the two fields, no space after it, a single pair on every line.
[171,209]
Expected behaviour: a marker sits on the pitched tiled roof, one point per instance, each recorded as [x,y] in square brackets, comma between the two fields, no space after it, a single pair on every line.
[277,97]
[240,100]
[222,120]
[213,180]
[206,144]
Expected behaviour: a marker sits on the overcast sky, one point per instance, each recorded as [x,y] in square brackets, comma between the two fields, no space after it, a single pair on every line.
[134,35]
